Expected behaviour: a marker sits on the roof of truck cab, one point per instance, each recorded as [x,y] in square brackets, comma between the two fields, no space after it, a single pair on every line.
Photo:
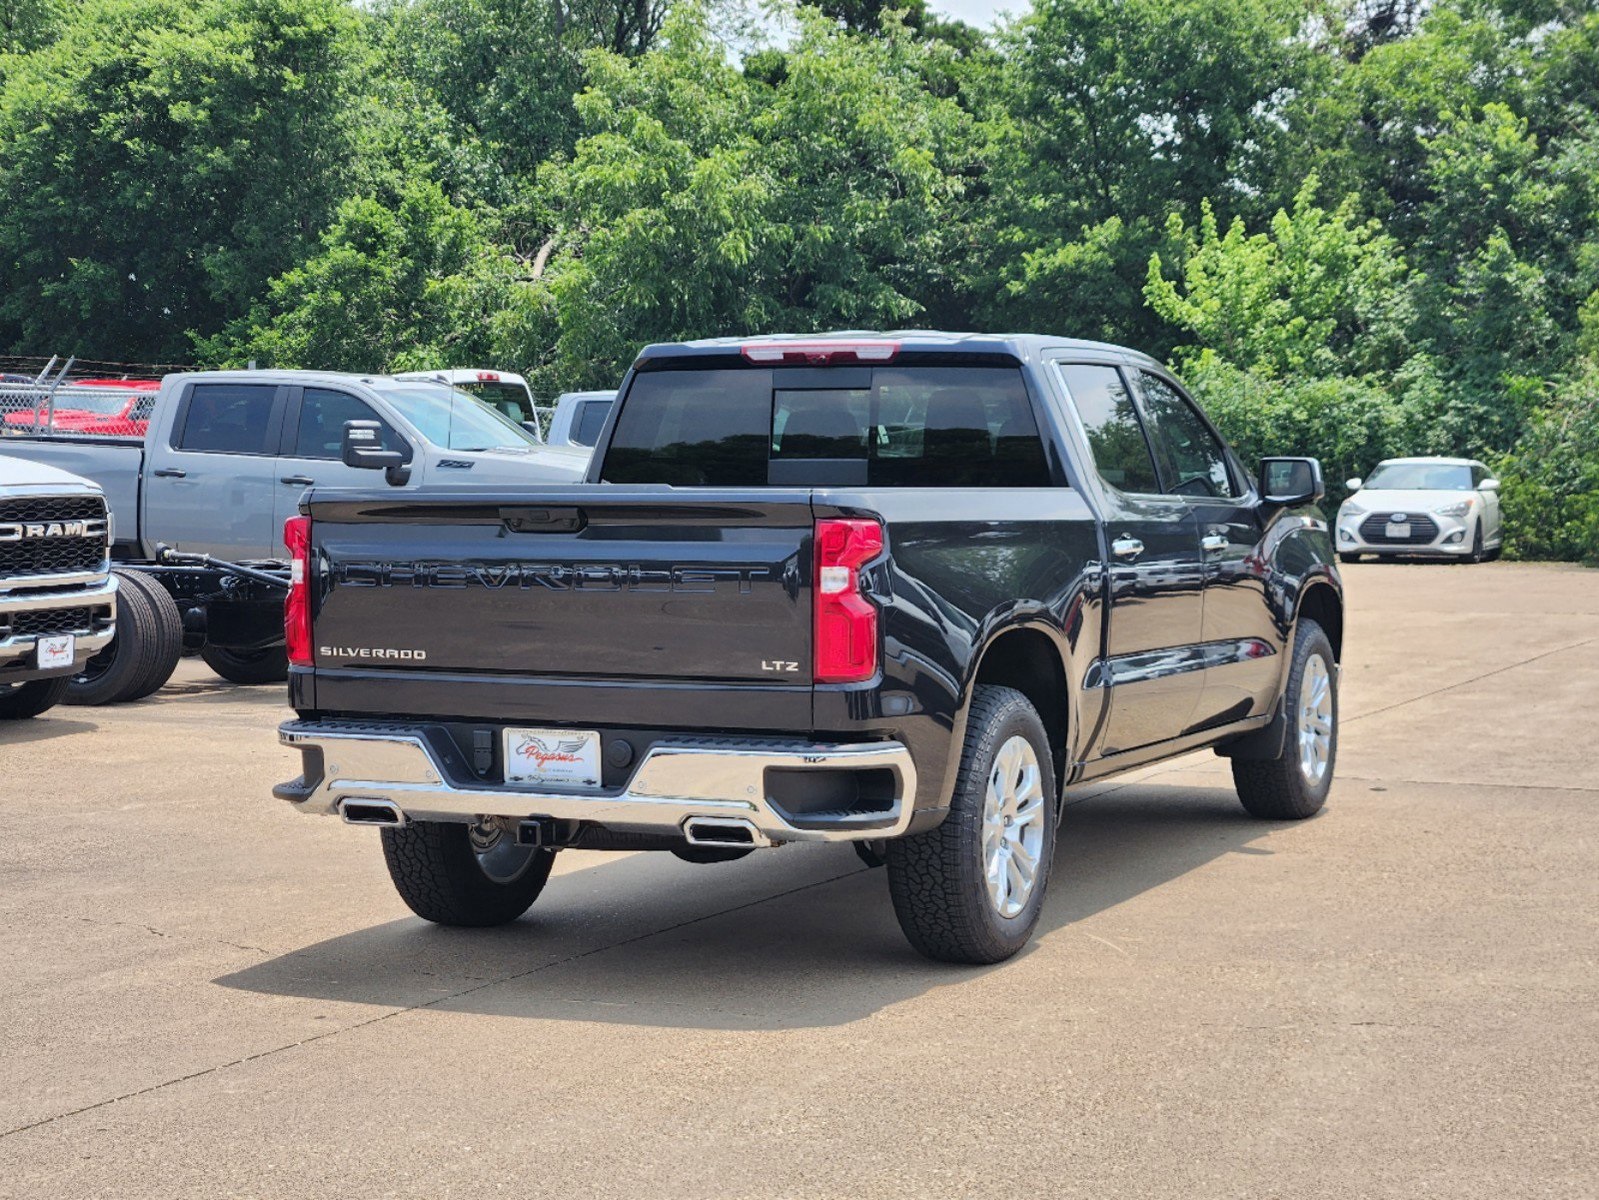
[303,378]
[912,341]
[284,375]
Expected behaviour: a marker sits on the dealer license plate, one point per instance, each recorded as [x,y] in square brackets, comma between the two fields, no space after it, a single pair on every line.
[54,651]
[569,757]
[1396,531]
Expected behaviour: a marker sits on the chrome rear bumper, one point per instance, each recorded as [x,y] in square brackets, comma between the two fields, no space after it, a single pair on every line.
[678,784]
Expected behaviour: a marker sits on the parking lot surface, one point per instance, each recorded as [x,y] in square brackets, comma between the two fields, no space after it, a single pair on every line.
[206,994]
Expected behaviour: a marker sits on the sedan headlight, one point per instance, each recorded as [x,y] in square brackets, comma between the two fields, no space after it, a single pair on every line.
[1351,509]
[1454,510]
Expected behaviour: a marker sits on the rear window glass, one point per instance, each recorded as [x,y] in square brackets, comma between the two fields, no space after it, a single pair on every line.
[1115,434]
[228,418]
[591,419]
[882,427]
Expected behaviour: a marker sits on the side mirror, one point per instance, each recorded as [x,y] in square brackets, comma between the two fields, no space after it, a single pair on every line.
[1354,484]
[1288,482]
[363,448]
[1488,485]
[533,428]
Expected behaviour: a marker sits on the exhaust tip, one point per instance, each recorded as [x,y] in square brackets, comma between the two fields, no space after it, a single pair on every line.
[723,832]
[371,812]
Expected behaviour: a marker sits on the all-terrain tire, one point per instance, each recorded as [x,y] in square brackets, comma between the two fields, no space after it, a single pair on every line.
[937,879]
[19,701]
[438,875]
[248,667]
[144,652]
[1279,789]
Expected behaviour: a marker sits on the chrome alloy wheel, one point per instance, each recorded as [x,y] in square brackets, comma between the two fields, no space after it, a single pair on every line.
[498,856]
[1315,719]
[1013,826]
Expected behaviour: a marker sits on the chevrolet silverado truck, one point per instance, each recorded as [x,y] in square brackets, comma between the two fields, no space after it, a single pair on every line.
[58,598]
[200,498]
[899,590]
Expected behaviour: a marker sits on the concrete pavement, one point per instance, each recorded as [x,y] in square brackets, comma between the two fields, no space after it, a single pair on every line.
[205,994]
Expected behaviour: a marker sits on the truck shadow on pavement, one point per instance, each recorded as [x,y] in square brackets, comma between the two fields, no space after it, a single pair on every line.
[801,937]
[43,729]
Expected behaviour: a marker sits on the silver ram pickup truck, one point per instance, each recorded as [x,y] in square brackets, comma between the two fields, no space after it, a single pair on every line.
[58,598]
[199,501]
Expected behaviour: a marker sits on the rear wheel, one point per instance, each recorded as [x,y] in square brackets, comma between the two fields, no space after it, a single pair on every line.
[971,890]
[248,667]
[144,652]
[456,874]
[1294,785]
[19,701]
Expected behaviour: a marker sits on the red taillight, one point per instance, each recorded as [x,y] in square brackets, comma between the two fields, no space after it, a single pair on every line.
[297,608]
[488,377]
[846,621]
[820,353]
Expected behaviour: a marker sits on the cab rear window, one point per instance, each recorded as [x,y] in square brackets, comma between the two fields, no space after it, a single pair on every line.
[869,426]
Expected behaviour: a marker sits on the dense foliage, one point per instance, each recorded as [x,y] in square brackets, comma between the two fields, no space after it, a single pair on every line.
[1358,227]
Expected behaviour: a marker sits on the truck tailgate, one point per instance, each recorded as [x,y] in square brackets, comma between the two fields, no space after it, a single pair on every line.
[604,585]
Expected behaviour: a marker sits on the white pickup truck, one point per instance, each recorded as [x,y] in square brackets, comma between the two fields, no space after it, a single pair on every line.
[58,598]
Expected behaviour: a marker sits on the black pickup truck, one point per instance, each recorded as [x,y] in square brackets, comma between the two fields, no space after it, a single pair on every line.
[899,590]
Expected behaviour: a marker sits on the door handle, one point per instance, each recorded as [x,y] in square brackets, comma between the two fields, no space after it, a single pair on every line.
[298,480]
[169,473]
[1212,542]
[1126,547]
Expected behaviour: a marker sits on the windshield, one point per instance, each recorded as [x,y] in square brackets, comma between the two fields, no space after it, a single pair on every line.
[77,400]
[453,420]
[1421,477]
[509,399]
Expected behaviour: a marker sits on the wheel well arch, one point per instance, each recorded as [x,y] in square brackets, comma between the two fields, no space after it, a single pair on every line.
[1323,605]
[1028,660]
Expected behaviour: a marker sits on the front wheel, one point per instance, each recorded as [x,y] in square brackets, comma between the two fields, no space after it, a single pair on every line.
[1347,556]
[1477,551]
[1294,785]
[971,890]
[451,873]
[19,701]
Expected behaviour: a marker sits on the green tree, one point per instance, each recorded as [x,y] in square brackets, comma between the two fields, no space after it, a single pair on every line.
[160,161]
[411,283]
[1323,293]
[703,201]
[1106,116]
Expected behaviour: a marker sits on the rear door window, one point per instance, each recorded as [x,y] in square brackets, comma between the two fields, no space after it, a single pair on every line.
[882,427]
[1115,432]
[228,418]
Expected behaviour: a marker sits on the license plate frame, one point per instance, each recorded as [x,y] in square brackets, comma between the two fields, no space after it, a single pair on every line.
[54,652]
[564,758]
[1397,533]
